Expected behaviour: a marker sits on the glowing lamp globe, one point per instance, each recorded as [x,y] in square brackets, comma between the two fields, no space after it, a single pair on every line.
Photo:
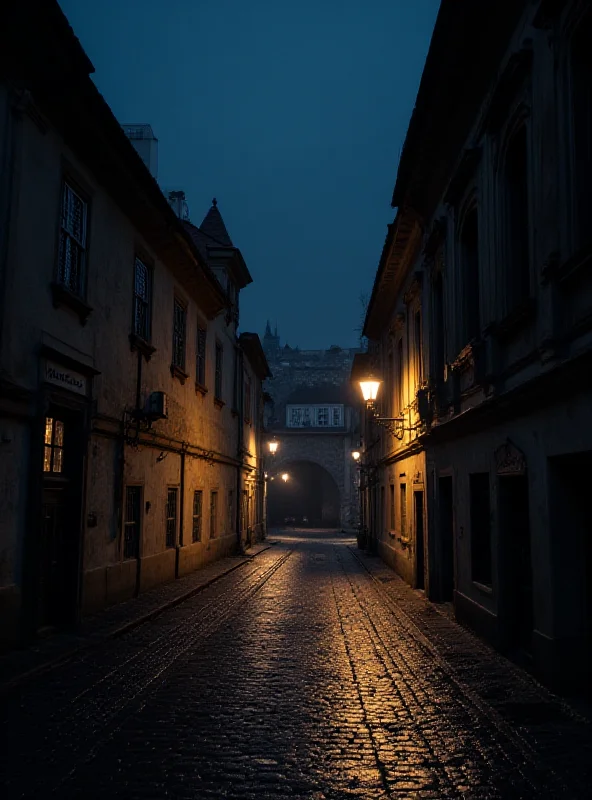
[285,477]
[370,387]
[273,446]
[356,455]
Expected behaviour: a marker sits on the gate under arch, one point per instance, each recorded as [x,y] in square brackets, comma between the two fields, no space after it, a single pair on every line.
[310,496]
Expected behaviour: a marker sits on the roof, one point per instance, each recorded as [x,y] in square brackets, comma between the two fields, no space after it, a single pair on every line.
[402,239]
[251,345]
[323,393]
[46,59]
[215,245]
[214,227]
[465,53]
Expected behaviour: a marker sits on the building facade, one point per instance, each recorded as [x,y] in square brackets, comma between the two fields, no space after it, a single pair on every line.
[314,416]
[481,322]
[130,410]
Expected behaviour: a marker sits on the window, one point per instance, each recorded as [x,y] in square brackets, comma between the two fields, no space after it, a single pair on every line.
[171,517]
[218,375]
[142,291]
[403,508]
[131,528]
[400,373]
[469,248]
[200,365]
[418,347]
[392,507]
[438,311]
[197,515]
[179,328]
[53,457]
[213,514]
[480,528]
[248,409]
[230,510]
[322,417]
[581,104]
[72,245]
[314,416]
[517,219]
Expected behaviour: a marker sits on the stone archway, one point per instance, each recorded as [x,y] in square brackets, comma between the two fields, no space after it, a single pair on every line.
[310,496]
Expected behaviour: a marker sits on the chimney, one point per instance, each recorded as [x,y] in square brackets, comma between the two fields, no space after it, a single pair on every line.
[145,143]
[178,203]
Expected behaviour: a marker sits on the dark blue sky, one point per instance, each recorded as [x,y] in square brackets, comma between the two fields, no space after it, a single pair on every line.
[292,114]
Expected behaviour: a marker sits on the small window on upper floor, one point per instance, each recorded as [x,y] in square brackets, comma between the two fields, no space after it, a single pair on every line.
[200,366]
[72,253]
[248,399]
[179,339]
[142,300]
[218,371]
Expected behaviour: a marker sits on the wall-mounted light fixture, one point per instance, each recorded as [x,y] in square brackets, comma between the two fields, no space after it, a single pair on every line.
[285,477]
[273,446]
[394,425]
[356,455]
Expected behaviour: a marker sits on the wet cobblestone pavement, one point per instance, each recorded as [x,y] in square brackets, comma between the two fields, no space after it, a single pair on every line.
[310,672]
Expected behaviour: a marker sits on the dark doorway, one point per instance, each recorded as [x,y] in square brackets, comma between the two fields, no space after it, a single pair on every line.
[419,541]
[446,524]
[308,497]
[60,523]
[571,552]
[515,569]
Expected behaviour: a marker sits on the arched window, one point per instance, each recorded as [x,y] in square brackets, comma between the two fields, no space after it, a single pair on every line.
[517,228]
[581,105]
[469,249]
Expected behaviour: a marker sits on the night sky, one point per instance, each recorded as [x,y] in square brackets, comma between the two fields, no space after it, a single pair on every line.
[292,114]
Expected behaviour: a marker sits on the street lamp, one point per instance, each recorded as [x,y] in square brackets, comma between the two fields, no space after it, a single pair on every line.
[273,446]
[285,477]
[356,455]
[394,425]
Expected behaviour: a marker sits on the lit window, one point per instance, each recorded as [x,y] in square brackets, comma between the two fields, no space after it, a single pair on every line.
[53,457]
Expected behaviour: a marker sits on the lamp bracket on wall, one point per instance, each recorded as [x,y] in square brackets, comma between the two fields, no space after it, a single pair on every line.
[394,425]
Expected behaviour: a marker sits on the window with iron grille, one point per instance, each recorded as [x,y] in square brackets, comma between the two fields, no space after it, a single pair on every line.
[200,367]
[142,290]
[213,514]
[72,245]
[171,517]
[403,490]
[197,514]
[218,380]
[131,527]
[248,409]
[53,455]
[179,329]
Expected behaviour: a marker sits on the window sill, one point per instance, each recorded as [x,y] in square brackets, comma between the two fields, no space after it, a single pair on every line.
[62,296]
[178,373]
[219,403]
[200,389]
[137,343]
[483,588]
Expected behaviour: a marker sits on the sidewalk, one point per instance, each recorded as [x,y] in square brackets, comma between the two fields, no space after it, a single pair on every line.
[20,665]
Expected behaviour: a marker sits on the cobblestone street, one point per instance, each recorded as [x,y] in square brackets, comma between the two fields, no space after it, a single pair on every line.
[311,671]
